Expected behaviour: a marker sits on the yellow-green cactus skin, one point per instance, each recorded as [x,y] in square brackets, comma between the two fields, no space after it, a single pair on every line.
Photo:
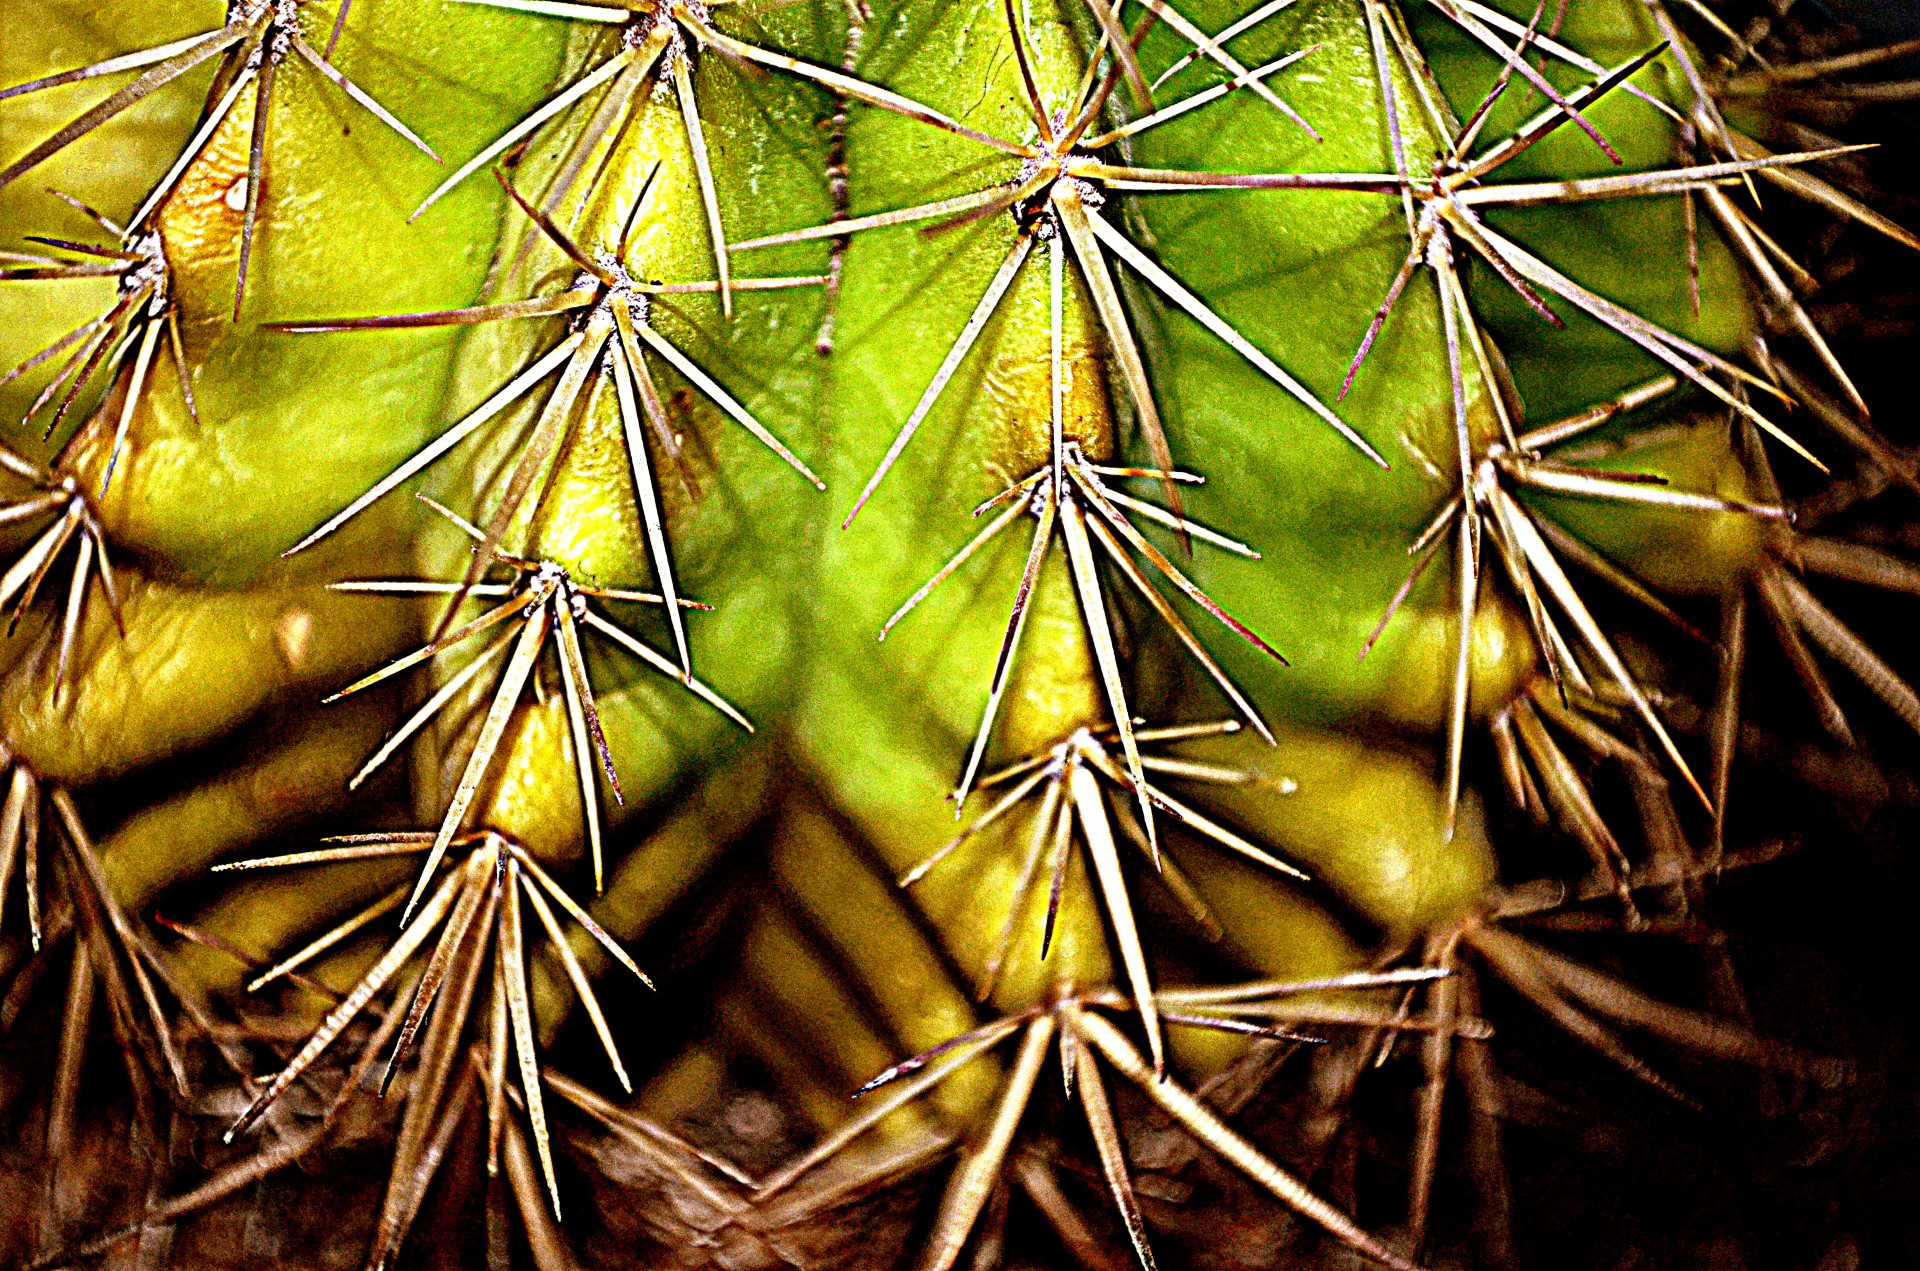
[973,541]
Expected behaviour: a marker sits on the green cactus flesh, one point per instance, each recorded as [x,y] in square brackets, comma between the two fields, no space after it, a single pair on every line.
[1099,736]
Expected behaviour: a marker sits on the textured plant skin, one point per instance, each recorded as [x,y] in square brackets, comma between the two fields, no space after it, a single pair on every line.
[750,506]
[989,434]
[192,730]
[282,441]
[218,634]
[1336,580]
[48,38]
[865,566]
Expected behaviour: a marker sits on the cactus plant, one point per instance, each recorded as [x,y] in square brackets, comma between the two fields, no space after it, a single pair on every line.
[1381,397]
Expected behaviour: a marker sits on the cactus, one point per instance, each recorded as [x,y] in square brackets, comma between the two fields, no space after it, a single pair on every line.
[1286,455]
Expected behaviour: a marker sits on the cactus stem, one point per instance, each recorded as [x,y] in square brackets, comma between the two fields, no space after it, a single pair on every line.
[1094,1037]
[1110,528]
[1526,548]
[551,607]
[548,504]
[1064,168]
[143,306]
[78,517]
[1068,770]
[477,906]
[255,39]
[610,310]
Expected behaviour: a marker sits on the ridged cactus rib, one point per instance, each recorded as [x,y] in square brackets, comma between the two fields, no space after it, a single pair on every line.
[253,45]
[142,312]
[1059,300]
[76,522]
[610,309]
[268,439]
[485,890]
[550,609]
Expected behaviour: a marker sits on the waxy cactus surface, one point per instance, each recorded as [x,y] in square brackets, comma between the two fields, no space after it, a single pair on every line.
[932,632]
